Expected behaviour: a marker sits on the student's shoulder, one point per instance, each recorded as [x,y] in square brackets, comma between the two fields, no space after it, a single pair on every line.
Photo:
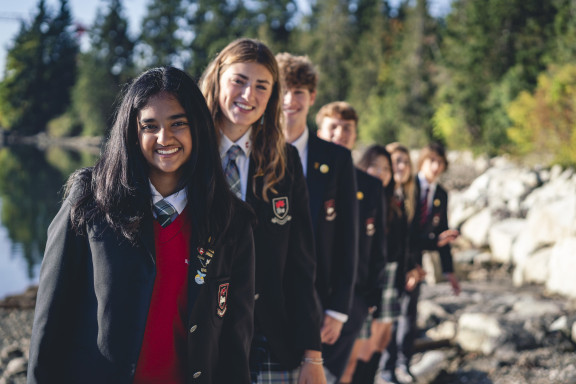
[328,148]
[368,181]
[79,184]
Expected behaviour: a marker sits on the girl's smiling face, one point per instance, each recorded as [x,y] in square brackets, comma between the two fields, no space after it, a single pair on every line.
[245,89]
[165,140]
[380,168]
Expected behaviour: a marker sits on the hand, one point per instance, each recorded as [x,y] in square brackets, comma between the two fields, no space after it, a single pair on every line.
[312,373]
[331,329]
[447,237]
[372,309]
[414,276]
[454,282]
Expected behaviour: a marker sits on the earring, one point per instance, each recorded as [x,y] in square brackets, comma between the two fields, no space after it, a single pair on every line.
[262,121]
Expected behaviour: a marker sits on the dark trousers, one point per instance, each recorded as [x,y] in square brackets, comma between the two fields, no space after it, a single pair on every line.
[336,355]
[400,349]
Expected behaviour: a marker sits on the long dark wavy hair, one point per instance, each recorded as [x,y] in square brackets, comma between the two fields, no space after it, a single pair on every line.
[367,158]
[117,189]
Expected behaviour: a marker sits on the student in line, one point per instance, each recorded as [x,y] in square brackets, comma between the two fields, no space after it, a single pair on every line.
[243,91]
[338,122]
[148,273]
[330,177]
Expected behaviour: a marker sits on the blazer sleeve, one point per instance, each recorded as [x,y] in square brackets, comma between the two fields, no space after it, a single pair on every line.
[345,260]
[378,253]
[238,327]
[445,251]
[59,272]
[303,302]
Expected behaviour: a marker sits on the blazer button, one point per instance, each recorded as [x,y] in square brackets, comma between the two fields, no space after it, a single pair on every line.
[196,375]
[432,236]
[193,328]
[256,296]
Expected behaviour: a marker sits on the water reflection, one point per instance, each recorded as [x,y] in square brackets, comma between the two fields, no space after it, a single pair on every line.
[31,183]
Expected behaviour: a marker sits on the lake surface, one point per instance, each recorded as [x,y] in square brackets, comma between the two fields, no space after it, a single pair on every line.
[31,181]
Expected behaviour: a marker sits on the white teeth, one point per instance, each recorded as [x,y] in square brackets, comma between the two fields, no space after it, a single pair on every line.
[167,151]
[244,107]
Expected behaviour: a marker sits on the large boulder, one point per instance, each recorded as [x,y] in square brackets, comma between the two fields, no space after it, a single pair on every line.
[501,238]
[561,268]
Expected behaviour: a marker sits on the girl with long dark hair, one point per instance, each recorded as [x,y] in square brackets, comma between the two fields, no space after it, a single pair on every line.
[148,273]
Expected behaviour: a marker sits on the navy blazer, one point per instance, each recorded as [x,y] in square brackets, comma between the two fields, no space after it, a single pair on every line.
[93,300]
[331,182]
[426,237]
[287,309]
[372,252]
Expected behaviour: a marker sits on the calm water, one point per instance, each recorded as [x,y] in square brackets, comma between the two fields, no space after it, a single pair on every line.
[31,183]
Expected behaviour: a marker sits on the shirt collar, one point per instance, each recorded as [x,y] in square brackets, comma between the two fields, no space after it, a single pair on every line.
[245,143]
[301,143]
[178,199]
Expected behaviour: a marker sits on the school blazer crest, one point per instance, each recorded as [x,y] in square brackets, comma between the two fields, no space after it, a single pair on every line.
[94,295]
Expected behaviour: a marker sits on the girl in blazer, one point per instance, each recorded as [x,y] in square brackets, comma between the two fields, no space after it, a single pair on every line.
[148,273]
[243,92]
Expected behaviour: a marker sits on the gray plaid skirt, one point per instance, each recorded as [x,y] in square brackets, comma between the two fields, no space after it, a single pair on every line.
[389,308]
[263,367]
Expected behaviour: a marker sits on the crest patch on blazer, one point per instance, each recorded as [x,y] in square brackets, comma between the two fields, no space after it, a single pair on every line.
[370,226]
[280,207]
[222,299]
[330,209]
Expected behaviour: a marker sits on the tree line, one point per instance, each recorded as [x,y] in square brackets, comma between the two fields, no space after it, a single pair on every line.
[495,76]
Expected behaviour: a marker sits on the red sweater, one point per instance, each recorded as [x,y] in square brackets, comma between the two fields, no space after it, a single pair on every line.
[163,354]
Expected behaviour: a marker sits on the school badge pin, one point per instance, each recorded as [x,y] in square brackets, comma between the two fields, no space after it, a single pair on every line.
[436,202]
[370,226]
[222,298]
[436,220]
[324,168]
[330,209]
[199,278]
[280,208]
[360,195]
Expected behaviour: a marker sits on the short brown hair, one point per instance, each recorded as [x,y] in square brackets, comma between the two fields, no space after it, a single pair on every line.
[297,71]
[431,148]
[338,110]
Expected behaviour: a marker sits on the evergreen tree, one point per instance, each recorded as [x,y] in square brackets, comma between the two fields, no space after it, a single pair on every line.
[40,71]
[214,25]
[492,50]
[103,69]
[329,46]
[162,32]
[276,20]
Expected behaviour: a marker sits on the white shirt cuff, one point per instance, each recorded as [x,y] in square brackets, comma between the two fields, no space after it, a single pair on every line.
[337,315]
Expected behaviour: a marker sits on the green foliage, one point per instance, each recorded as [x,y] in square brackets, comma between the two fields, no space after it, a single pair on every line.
[40,71]
[544,121]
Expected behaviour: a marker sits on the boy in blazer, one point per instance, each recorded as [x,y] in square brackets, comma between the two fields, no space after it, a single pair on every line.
[337,122]
[330,177]
[428,231]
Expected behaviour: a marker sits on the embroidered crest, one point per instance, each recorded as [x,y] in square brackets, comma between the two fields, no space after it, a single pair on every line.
[280,208]
[330,209]
[222,298]
[370,227]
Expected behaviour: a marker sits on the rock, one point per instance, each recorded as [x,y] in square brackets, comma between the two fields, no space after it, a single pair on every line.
[561,269]
[16,366]
[478,332]
[501,238]
[534,269]
[446,330]
[429,366]
[476,228]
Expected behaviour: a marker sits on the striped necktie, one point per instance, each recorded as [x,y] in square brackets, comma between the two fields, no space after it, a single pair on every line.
[231,170]
[424,208]
[165,212]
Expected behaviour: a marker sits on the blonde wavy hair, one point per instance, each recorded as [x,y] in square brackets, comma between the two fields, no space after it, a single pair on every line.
[268,143]
[409,186]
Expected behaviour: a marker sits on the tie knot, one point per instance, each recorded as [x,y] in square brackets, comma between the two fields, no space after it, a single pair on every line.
[164,212]
[233,152]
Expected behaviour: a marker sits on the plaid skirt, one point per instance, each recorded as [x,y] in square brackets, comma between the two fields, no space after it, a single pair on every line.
[389,308]
[263,367]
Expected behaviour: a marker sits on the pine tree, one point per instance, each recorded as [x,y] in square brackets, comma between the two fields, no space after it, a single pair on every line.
[161,37]
[103,69]
[40,71]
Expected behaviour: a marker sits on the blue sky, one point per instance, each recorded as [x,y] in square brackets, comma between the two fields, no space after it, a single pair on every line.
[84,12]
